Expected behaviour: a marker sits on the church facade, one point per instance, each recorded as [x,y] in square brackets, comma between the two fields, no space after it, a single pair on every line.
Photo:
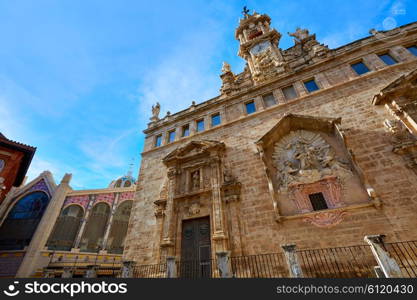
[301,156]
[308,146]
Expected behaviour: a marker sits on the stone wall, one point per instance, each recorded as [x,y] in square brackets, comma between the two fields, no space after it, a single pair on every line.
[252,225]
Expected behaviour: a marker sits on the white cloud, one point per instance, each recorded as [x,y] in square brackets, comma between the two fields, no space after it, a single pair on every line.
[188,73]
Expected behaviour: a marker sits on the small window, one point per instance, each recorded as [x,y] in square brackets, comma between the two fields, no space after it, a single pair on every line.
[158,140]
[200,125]
[413,50]
[360,68]
[215,120]
[317,201]
[185,130]
[250,107]
[311,85]
[387,59]
[171,136]
[289,92]
[269,100]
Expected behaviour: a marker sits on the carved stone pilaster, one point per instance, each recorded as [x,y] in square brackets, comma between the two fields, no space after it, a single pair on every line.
[167,234]
[218,213]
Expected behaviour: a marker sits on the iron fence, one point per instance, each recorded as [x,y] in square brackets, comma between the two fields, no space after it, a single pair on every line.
[270,265]
[339,262]
[405,254]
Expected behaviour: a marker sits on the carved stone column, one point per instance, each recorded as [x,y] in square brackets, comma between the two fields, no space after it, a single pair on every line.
[388,264]
[292,261]
[84,222]
[219,235]
[167,234]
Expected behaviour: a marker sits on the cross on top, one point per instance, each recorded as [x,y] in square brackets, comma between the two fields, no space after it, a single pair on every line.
[245,11]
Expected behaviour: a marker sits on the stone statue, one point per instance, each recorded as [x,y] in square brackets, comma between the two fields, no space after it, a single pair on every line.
[155,111]
[228,177]
[299,35]
[195,180]
[226,68]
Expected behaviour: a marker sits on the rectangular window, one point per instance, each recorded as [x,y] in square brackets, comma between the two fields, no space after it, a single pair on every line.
[269,100]
[413,50]
[360,68]
[171,136]
[311,85]
[317,201]
[215,120]
[200,125]
[387,59]
[289,92]
[250,107]
[185,130]
[158,140]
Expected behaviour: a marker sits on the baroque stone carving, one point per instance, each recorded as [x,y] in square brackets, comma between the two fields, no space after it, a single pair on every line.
[194,209]
[304,157]
[326,218]
[300,35]
[268,65]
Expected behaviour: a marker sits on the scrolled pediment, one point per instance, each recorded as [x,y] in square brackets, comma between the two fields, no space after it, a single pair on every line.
[193,149]
[291,122]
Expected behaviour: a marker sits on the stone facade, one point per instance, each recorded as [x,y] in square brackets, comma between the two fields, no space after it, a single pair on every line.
[255,174]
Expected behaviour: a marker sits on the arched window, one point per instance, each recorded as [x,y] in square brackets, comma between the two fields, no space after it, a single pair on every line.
[127,183]
[17,230]
[115,243]
[118,183]
[96,227]
[66,228]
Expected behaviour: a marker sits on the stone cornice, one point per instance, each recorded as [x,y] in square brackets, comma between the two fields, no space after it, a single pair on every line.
[102,191]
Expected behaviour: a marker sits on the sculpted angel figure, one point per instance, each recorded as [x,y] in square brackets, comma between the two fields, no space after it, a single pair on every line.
[226,68]
[299,34]
[155,110]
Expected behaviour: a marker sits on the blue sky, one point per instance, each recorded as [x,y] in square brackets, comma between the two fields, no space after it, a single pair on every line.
[78,78]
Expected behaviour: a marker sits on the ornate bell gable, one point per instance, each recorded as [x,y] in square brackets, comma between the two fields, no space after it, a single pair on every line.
[310,169]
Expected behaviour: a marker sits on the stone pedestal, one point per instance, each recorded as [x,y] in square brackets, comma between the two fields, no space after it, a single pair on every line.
[387,264]
[292,261]
[224,265]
